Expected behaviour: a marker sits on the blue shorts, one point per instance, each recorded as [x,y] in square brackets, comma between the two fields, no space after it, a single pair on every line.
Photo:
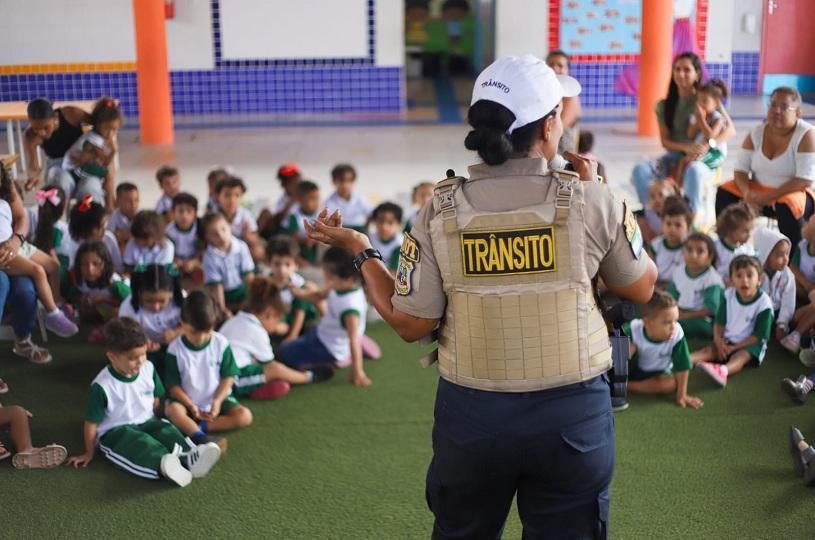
[307,350]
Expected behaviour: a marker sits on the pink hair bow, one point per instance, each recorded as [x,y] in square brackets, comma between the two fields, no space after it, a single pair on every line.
[51,195]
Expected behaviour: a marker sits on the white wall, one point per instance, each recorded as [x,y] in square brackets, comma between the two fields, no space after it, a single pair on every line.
[390,32]
[189,36]
[521,26]
[52,31]
[719,38]
[742,40]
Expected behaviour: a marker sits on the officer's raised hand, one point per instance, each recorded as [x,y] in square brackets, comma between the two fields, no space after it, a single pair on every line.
[583,166]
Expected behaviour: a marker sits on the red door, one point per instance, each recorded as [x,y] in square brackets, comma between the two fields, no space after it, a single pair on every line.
[787,38]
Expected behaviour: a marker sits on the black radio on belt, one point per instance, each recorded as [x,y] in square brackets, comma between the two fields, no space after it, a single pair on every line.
[616,316]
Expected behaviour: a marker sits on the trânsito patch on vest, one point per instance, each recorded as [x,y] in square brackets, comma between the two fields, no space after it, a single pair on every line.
[509,251]
[409,255]
[632,231]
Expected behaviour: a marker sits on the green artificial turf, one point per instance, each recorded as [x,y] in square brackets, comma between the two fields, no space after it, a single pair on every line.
[334,461]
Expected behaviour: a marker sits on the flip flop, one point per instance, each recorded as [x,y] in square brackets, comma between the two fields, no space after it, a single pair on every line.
[46,457]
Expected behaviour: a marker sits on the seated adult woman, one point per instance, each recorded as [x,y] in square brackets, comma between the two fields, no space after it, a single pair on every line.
[674,114]
[775,167]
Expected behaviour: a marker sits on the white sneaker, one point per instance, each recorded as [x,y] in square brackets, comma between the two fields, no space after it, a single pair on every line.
[792,342]
[202,458]
[172,469]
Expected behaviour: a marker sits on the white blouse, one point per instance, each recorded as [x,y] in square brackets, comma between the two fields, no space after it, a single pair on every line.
[779,170]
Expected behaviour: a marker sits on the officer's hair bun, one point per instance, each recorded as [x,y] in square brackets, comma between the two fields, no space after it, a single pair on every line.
[489,138]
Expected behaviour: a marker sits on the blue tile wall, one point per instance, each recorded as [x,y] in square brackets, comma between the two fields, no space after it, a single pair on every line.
[72,86]
[745,73]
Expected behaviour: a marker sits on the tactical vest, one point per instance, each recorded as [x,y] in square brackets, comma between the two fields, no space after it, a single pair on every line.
[521,314]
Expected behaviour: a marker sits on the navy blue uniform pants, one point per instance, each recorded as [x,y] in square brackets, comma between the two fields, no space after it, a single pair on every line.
[553,448]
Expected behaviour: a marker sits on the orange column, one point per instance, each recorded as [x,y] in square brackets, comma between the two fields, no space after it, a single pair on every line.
[152,73]
[655,62]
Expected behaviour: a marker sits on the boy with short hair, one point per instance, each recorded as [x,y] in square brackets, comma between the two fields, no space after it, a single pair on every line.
[201,370]
[387,236]
[230,192]
[121,420]
[340,331]
[308,206]
[127,206]
[281,255]
[666,249]
[743,324]
[169,180]
[355,210]
[660,358]
[183,232]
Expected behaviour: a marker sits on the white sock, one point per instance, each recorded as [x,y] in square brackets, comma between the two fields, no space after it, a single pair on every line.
[310,375]
[56,310]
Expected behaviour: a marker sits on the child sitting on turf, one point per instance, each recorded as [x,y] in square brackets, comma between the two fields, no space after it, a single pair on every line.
[183,233]
[354,209]
[15,419]
[35,263]
[96,289]
[228,265]
[281,255]
[269,223]
[387,236]
[88,220]
[422,193]
[697,287]
[666,249]
[733,228]
[650,221]
[248,335]
[127,205]
[169,180]
[230,193]
[778,282]
[148,243]
[339,333]
[121,415]
[743,324]
[308,205]
[155,303]
[201,370]
[660,358]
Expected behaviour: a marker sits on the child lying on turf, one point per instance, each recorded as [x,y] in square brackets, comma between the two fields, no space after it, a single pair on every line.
[15,419]
[121,420]
[743,324]
[660,358]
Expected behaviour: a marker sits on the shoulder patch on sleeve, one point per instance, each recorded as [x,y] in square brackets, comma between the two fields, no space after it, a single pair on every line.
[409,256]
[632,231]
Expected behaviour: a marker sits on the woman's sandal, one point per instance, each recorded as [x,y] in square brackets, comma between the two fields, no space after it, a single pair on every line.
[4,453]
[46,457]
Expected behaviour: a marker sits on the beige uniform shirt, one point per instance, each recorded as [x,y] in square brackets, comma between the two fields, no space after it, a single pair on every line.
[516,184]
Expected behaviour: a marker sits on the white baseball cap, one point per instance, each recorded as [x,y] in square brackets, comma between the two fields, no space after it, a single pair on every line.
[525,85]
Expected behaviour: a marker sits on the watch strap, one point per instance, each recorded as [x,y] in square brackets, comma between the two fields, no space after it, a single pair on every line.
[363,256]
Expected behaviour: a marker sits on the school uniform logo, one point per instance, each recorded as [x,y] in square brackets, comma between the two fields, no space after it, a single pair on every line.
[509,252]
[409,255]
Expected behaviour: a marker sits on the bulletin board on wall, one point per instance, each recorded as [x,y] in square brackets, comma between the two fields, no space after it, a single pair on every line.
[611,30]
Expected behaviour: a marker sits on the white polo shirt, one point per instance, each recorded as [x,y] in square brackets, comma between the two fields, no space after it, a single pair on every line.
[249,340]
[228,268]
[162,253]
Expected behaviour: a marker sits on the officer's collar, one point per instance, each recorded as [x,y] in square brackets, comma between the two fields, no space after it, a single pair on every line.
[511,167]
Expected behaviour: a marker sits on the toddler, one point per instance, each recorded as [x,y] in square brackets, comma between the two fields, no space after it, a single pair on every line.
[228,265]
[127,204]
[201,370]
[169,180]
[743,324]
[183,232]
[387,236]
[697,287]
[733,228]
[51,235]
[339,333]
[354,209]
[15,419]
[87,224]
[660,358]
[281,254]
[96,289]
[148,243]
[230,192]
[121,416]
[666,249]
[308,206]
[706,124]
[778,282]
[650,221]
[248,335]
[422,193]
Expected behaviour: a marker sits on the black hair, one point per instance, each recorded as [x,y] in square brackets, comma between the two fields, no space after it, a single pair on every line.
[125,187]
[716,88]
[6,184]
[187,199]
[216,175]
[555,54]
[677,206]
[147,224]
[388,208]
[263,294]
[339,262]
[659,301]
[490,121]
[732,216]
[745,261]
[673,90]
[165,171]
[788,91]
[199,311]
[123,334]
[585,141]
[47,215]
[105,110]
[282,246]
[228,183]
[707,241]
[306,186]
[102,251]
[154,278]
[40,109]
[84,218]
[341,170]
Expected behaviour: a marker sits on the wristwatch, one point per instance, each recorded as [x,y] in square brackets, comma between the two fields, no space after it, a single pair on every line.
[712,143]
[360,259]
